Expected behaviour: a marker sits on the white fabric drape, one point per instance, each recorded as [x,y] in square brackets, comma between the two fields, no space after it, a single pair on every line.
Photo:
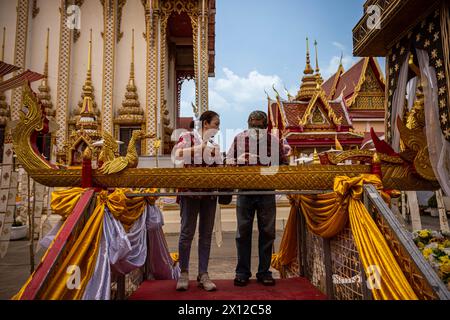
[398,103]
[123,252]
[120,251]
[411,92]
[438,146]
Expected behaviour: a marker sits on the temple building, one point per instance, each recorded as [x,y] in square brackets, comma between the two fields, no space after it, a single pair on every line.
[362,88]
[109,66]
[314,119]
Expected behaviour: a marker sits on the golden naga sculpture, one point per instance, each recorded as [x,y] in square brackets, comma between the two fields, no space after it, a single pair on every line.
[109,149]
[397,173]
[130,160]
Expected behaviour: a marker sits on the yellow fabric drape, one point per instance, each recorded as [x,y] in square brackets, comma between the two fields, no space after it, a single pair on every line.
[63,202]
[288,246]
[326,215]
[83,254]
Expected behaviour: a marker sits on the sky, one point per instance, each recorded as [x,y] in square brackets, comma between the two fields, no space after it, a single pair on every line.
[260,43]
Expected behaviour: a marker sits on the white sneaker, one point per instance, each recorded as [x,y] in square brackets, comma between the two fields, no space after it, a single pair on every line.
[205,283]
[183,281]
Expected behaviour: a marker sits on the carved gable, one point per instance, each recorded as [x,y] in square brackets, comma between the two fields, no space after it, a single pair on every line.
[371,94]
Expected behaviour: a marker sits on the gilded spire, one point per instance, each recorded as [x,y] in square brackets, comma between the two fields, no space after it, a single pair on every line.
[4,109]
[87,119]
[308,69]
[318,75]
[132,59]
[44,89]
[316,159]
[309,84]
[131,112]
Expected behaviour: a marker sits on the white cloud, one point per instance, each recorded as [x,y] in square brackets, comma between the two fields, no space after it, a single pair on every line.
[347,62]
[234,93]
[339,45]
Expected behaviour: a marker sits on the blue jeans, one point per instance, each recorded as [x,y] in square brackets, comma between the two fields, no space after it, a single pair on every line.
[190,209]
[265,207]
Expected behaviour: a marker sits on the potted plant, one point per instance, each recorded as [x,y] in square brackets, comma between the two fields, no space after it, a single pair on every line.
[19,230]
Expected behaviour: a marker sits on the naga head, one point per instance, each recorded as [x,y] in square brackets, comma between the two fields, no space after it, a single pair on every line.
[139,134]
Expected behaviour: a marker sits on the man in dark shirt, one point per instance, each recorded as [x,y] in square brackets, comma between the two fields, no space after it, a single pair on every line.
[256,147]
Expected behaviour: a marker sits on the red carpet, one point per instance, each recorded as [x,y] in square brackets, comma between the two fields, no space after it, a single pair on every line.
[285,289]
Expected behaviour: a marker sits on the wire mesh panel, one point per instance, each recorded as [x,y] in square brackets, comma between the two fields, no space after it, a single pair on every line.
[315,267]
[417,281]
[346,268]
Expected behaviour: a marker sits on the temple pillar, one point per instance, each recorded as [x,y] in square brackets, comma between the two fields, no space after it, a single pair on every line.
[109,44]
[199,21]
[153,37]
[20,50]
[62,95]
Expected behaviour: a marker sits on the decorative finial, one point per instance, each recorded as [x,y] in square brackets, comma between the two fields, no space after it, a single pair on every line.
[132,59]
[268,97]
[318,75]
[46,55]
[316,159]
[88,104]
[44,90]
[317,57]
[130,112]
[308,69]
[287,93]
[342,57]
[90,53]
[275,90]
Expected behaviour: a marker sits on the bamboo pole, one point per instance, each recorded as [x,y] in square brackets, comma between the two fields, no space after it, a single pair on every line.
[31,229]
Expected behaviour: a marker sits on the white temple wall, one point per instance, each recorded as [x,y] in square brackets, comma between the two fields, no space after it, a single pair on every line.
[133,17]
[91,18]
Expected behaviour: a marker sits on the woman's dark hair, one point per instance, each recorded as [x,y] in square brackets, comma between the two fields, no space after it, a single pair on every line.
[208,116]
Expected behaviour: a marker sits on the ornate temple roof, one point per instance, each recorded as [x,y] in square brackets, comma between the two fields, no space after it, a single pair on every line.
[312,118]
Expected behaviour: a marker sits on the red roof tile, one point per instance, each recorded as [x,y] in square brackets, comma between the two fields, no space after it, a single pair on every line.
[339,110]
[328,85]
[294,111]
[349,80]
